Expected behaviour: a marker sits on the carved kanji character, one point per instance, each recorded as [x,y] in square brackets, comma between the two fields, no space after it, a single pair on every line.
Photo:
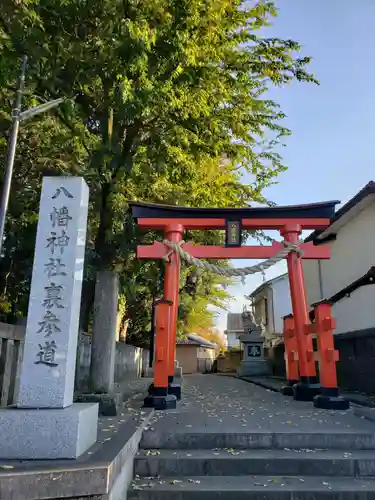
[53,296]
[47,354]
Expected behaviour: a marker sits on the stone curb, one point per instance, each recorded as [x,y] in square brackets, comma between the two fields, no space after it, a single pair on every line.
[271,386]
[97,476]
[264,385]
[367,413]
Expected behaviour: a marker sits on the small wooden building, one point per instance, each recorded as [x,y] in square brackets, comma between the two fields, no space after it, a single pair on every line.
[195,355]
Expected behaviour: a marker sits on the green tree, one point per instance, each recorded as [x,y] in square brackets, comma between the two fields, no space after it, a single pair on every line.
[165,90]
[213,335]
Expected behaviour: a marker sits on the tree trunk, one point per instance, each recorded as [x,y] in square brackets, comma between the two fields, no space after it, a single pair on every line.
[104,251]
[87,303]
[103,259]
[123,328]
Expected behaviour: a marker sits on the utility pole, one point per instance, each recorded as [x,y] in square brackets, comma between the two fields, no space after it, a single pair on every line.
[18,117]
[12,152]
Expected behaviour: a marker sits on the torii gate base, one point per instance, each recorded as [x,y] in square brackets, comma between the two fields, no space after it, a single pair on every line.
[289,221]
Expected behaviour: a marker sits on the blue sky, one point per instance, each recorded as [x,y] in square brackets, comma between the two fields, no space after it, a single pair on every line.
[329,155]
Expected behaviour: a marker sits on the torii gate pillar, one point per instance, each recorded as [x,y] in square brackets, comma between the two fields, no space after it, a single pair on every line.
[308,386]
[173,233]
[164,392]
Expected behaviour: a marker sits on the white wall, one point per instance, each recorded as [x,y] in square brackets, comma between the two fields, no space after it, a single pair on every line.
[352,255]
[233,341]
[280,303]
[206,353]
[311,270]
[356,312]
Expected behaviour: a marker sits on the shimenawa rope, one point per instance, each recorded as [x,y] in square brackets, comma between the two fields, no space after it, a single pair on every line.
[229,273]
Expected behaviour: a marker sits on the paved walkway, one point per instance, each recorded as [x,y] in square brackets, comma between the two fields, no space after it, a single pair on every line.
[223,404]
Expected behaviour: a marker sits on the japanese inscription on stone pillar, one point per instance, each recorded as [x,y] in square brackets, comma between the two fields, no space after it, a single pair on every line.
[48,366]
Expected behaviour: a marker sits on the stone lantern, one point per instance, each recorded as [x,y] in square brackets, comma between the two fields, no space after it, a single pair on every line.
[253,362]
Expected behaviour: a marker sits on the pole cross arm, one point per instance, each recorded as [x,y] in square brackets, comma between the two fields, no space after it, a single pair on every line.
[29,113]
[158,251]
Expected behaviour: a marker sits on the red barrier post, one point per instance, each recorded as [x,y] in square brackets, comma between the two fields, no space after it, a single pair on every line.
[324,324]
[291,355]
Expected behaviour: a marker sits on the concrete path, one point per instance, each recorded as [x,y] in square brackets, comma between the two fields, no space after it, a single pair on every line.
[224,404]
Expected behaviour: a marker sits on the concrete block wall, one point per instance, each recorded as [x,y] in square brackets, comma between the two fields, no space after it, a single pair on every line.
[229,362]
[145,362]
[129,362]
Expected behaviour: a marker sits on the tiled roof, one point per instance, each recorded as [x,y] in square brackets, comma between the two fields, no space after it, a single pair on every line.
[366,191]
[187,342]
[234,322]
[194,339]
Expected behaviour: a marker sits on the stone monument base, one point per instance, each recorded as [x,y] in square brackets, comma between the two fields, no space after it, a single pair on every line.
[39,434]
[254,367]
[110,405]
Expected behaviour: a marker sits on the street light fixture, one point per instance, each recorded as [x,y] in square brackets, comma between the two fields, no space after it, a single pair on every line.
[17,117]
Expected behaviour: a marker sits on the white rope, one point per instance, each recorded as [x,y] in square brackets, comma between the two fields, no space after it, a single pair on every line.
[229,273]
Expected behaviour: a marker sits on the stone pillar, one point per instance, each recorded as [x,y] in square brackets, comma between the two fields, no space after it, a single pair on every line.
[45,399]
[103,347]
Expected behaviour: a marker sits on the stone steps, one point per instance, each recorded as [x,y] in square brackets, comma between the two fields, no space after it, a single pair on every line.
[253,488]
[220,446]
[169,463]
[347,440]
[260,465]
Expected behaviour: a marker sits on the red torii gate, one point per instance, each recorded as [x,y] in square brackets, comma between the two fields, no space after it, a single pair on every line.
[174,220]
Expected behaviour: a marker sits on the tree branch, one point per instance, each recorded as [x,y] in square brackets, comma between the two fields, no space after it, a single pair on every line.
[71,127]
